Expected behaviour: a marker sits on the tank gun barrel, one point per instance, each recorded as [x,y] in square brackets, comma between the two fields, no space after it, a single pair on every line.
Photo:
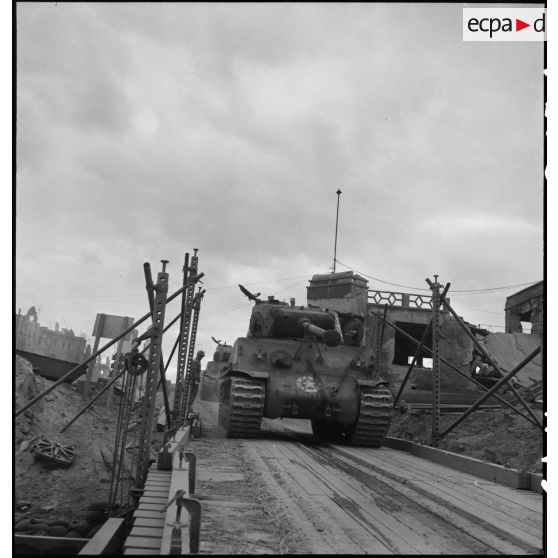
[330,337]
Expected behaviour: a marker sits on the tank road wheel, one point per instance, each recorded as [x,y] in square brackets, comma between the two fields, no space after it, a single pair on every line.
[241,407]
[327,431]
[374,417]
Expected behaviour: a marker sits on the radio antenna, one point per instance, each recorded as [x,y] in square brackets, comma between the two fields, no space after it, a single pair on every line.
[336,223]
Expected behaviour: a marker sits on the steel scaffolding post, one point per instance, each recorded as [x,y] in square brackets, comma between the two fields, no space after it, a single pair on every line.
[435,360]
[380,338]
[197,303]
[151,378]
[416,356]
[190,272]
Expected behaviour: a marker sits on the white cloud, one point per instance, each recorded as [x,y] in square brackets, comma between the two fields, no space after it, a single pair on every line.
[145,130]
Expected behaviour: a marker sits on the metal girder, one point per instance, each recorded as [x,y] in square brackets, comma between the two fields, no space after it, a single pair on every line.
[197,304]
[187,305]
[151,378]
[435,360]
[95,354]
[380,340]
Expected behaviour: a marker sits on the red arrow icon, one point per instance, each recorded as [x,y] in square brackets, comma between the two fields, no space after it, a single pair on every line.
[519,25]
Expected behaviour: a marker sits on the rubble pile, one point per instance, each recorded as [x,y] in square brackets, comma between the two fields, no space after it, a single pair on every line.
[53,500]
[497,436]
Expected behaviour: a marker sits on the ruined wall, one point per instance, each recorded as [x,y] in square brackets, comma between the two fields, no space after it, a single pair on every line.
[347,293]
[509,349]
[34,338]
[454,345]
[525,306]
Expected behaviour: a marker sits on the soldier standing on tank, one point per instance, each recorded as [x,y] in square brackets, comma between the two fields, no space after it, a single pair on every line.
[195,374]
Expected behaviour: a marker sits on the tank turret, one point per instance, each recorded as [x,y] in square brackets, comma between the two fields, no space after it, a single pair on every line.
[278,320]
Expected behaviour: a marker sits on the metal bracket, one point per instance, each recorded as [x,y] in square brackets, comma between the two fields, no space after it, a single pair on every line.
[191,459]
[193,508]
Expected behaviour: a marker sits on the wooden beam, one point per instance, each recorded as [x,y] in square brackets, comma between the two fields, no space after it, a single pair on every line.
[108,539]
[465,464]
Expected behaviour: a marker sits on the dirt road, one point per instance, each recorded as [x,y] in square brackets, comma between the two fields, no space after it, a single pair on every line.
[284,493]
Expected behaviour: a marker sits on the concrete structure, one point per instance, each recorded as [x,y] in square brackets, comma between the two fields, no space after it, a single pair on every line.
[345,293]
[525,307]
[348,293]
[412,313]
[58,343]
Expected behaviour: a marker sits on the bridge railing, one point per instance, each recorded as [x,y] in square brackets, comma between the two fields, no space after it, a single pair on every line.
[401,300]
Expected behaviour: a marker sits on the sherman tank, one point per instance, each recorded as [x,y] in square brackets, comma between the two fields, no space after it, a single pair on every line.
[209,385]
[304,362]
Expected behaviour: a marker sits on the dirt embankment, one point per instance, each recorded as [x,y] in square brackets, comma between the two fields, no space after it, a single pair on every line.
[56,494]
[497,436]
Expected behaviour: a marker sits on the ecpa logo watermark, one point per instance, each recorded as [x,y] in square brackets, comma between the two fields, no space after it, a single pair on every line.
[504,24]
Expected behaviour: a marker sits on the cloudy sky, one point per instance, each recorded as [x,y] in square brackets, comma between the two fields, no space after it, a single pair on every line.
[144,131]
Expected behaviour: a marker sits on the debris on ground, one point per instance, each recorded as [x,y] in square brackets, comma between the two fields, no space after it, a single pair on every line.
[46,495]
[54,453]
[498,436]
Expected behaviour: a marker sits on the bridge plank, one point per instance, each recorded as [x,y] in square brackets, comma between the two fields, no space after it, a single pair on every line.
[150,506]
[143,542]
[152,522]
[153,532]
[147,513]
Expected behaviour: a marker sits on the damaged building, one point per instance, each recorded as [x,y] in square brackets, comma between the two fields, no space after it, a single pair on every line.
[52,352]
[55,343]
[347,293]
[524,310]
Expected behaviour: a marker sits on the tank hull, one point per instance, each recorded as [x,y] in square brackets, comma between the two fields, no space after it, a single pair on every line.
[306,379]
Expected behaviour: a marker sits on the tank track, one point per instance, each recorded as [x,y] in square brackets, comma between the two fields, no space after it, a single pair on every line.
[374,418]
[240,414]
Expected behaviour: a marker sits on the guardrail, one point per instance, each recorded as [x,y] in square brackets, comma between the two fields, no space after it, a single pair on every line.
[401,300]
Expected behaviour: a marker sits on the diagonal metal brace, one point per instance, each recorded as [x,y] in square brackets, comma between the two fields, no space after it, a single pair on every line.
[462,374]
[491,391]
[491,361]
